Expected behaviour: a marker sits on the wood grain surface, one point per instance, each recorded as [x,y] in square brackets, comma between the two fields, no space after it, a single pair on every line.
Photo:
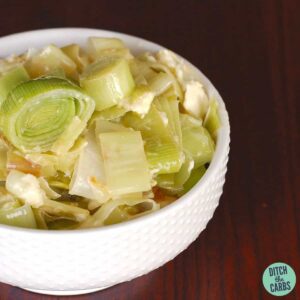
[251,52]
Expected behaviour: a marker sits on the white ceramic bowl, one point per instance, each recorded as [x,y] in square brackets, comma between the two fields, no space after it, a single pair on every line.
[78,262]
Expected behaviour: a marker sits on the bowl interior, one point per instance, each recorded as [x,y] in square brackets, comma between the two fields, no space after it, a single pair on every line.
[20,42]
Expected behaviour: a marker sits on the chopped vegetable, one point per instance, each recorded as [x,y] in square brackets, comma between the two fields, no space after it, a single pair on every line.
[11,79]
[124,158]
[88,179]
[49,60]
[195,100]
[108,81]
[163,153]
[26,187]
[198,143]
[212,119]
[107,47]
[20,217]
[37,112]
[96,136]
[77,55]
[139,101]
[114,211]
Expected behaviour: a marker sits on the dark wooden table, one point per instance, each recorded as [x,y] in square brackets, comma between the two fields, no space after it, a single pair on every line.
[251,52]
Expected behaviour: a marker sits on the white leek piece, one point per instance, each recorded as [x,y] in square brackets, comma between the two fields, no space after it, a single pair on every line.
[25,187]
[160,83]
[49,60]
[139,101]
[195,99]
[88,179]
[77,55]
[125,163]
[99,47]
[102,126]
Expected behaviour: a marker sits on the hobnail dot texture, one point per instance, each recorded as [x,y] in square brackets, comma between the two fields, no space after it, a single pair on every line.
[102,258]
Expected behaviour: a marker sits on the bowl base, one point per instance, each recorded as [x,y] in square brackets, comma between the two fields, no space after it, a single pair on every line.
[65,293]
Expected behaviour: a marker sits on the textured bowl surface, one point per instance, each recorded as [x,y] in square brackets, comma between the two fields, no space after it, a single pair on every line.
[70,262]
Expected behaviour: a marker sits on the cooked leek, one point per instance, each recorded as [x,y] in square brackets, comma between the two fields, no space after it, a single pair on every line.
[99,47]
[108,126]
[49,60]
[88,179]
[139,101]
[11,79]
[212,120]
[51,164]
[160,83]
[77,55]
[3,160]
[112,113]
[174,183]
[163,153]
[108,81]
[94,136]
[25,187]
[170,106]
[15,161]
[124,158]
[103,214]
[162,68]
[195,176]
[36,113]
[195,99]
[20,217]
[197,142]
[56,208]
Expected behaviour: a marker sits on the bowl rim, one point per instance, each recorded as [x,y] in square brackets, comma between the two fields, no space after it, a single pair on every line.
[223,139]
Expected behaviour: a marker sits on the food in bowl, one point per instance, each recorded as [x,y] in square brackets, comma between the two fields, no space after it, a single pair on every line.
[97,136]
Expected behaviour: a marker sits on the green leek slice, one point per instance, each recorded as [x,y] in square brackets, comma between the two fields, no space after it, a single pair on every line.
[174,183]
[195,176]
[108,81]
[212,120]
[125,163]
[66,211]
[3,160]
[20,217]
[162,151]
[37,112]
[197,141]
